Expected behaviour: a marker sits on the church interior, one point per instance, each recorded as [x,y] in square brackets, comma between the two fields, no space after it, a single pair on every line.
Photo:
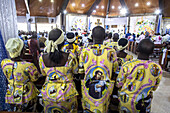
[85,56]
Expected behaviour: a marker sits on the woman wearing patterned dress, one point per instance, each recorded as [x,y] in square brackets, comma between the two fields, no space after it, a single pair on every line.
[59,92]
[21,91]
[98,63]
[138,79]
[121,54]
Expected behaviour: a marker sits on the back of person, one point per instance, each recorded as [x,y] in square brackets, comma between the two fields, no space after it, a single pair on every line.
[70,45]
[42,39]
[138,79]
[21,91]
[114,44]
[59,91]
[98,63]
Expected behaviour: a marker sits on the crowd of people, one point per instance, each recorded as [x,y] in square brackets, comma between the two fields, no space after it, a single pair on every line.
[90,73]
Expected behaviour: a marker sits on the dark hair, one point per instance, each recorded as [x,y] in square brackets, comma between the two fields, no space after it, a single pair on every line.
[98,33]
[70,35]
[146,46]
[43,34]
[122,42]
[98,72]
[110,35]
[76,33]
[56,56]
[26,37]
[115,37]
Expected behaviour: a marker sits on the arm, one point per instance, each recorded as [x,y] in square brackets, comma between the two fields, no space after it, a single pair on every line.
[121,79]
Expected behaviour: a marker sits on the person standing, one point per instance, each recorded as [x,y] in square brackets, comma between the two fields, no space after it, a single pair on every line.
[58,92]
[21,91]
[97,64]
[138,79]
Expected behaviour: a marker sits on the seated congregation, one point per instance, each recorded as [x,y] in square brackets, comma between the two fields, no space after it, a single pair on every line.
[91,76]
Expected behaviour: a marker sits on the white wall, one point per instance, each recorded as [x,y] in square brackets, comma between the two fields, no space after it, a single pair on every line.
[116,21]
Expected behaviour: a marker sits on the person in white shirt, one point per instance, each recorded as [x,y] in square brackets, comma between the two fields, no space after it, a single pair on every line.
[141,37]
[165,38]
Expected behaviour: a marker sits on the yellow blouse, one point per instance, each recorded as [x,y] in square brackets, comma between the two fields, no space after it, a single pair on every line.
[59,85]
[136,80]
[20,76]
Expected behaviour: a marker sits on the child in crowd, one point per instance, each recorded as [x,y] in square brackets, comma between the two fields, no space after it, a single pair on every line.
[138,79]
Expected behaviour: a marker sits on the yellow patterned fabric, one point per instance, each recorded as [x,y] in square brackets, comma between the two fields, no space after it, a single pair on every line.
[59,88]
[137,80]
[74,50]
[20,76]
[113,45]
[107,41]
[98,63]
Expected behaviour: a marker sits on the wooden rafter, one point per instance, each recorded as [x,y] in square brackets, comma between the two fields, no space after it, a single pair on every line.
[89,12]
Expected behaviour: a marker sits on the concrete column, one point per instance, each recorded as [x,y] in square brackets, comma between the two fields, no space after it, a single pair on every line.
[8,19]
[28,23]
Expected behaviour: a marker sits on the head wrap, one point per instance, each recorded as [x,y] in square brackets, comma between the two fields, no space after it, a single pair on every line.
[120,47]
[70,37]
[52,46]
[14,47]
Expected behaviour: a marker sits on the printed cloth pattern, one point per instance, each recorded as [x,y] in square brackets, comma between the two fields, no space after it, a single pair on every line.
[59,91]
[137,80]
[113,45]
[20,76]
[98,63]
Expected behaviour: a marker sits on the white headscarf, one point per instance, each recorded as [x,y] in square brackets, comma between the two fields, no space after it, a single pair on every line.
[52,46]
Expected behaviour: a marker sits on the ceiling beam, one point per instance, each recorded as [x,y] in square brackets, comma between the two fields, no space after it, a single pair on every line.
[89,12]
[123,4]
[108,8]
[65,3]
[27,6]
[161,5]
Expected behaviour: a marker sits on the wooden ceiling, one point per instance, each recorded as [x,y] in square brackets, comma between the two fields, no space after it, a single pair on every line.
[52,9]
[81,6]
[39,8]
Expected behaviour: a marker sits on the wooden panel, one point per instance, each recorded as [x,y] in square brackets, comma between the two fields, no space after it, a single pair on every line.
[100,11]
[20,7]
[142,8]
[45,8]
[116,10]
[166,10]
[78,6]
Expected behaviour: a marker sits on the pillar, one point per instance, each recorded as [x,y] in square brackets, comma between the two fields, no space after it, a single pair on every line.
[8,19]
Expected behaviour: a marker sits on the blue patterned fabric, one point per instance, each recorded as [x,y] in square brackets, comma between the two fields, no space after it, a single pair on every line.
[3,80]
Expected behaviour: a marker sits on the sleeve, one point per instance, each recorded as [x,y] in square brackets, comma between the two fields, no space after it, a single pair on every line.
[75,65]
[121,77]
[81,62]
[157,82]
[33,72]
[42,66]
